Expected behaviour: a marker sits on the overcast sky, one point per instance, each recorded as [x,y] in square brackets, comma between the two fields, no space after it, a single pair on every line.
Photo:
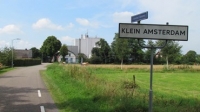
[34,20]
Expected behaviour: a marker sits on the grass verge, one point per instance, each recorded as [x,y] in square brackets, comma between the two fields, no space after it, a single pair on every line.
[3,70]
[97,89]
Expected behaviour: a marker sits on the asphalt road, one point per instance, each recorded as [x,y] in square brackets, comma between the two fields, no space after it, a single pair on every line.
[22,90]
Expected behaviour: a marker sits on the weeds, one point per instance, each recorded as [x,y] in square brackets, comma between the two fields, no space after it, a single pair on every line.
[179,68]
[185,67]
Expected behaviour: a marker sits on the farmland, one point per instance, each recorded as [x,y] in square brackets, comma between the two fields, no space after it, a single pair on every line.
[107,88]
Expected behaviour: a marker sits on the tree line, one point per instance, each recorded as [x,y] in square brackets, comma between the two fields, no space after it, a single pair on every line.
[121,51]
[128,51]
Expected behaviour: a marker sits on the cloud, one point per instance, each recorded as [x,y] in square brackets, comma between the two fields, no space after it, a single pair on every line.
[122,17]
[176,12]
[10,29]
[23,44]
[4,44]
[17,44]
[125,3]
[70,25]
[45,23]
[85,22]
[82,21]
[67,40]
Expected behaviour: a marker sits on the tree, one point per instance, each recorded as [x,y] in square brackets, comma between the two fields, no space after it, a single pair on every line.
[135,50]
[148,51]
[171,52]
[96,51]
[132,51]
[96,56]
[82,57]
[190,57]
[50,46]
[120,47]
[198,58]
[103,50]
[35,52]
[5,56]
[64,51]
[95,59]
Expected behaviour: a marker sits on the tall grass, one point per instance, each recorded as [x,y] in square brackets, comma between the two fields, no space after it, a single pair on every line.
[109,89]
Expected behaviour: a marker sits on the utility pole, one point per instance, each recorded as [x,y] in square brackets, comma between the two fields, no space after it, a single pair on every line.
[12,50]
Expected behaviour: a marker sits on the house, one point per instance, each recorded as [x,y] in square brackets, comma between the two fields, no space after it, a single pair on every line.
[72,56]
[21,53]
[158,54]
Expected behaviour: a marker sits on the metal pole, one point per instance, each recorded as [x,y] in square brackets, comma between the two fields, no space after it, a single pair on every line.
[12,55]
[42,57]
[12,50]
[151,80]
[151,69]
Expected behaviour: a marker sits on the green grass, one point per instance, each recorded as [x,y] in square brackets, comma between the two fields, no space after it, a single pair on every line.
[89,89]
[3,70]
[69,94]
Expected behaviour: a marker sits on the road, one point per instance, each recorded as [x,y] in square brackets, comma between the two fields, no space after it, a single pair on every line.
[22,90]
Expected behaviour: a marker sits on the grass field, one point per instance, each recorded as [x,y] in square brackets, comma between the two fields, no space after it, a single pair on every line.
[107,88]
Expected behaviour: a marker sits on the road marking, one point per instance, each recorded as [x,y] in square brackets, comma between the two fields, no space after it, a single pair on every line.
[42,108]
[39,93]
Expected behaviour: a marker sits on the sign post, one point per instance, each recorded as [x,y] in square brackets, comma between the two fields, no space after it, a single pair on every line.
[151,72]
[139,17]
[152,31]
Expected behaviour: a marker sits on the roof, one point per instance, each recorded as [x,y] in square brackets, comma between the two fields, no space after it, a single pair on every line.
[21,53]
[73,49]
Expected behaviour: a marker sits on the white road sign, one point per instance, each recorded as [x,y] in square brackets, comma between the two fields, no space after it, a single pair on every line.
[153,31]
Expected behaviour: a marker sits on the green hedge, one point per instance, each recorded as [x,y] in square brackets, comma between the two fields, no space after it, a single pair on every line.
[27,62]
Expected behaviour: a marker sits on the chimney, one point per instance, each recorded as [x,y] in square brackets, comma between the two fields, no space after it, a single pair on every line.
[86,35]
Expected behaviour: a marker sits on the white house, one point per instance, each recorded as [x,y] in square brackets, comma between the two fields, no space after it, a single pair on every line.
[72,56]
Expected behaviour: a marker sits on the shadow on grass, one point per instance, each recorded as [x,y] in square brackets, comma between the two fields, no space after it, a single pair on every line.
[134,105]
[103,104]
[177,104]
[81,105]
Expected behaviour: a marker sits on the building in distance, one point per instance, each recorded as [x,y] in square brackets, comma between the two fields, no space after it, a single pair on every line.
[86,44]
[83,45]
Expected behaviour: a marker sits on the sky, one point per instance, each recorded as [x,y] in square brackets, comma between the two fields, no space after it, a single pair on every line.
[34,20]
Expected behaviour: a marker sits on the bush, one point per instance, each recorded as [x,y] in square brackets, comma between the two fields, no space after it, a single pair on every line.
[27,62]
[95,60]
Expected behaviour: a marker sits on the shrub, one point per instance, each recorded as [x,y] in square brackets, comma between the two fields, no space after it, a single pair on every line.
[27,62]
